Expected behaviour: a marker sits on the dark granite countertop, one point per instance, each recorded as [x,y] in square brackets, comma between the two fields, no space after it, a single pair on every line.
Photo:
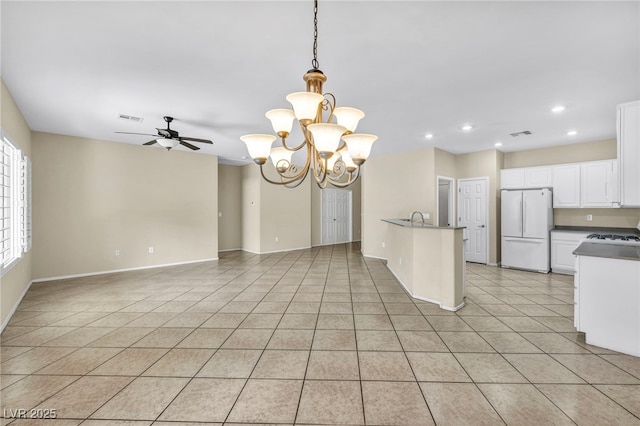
[596,230]
[612,251]
[408,224]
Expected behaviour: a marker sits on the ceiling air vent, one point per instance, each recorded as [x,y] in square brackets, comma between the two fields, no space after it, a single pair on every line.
[524,132]
[130,118]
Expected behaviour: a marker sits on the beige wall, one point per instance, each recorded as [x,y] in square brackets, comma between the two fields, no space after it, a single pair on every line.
[480,164]
[316,211]
[270,211]
[285,213]
[17,279]
[230,206]
[590,151]
[575,153]
[91,197]
[392,187]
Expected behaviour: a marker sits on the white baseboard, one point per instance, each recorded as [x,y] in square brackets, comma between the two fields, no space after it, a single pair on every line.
[15,307]
[276,251]
[225,250]
[137,268]
[426,299]
[373,257]
[493,264]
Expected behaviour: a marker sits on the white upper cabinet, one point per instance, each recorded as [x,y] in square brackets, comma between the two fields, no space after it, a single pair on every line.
[538,177]
[512,178]
[566,186]
[629,153]
[599,184]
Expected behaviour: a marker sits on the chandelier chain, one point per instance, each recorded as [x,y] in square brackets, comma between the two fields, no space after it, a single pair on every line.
[314,61]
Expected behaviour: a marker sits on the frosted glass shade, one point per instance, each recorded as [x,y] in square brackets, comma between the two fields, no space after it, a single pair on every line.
[305,104]
[326,136]
[281,119]
[359,145]
[348,161]
[167,143]
[278,154]
[259,146]
[348,117]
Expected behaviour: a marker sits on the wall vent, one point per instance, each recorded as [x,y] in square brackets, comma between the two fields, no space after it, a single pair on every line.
[524,132]
[130,118]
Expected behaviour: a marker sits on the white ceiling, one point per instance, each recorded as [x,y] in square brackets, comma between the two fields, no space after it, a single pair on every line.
[413,67]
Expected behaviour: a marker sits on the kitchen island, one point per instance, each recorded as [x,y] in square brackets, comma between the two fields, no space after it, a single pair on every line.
[428,261]
[607,295]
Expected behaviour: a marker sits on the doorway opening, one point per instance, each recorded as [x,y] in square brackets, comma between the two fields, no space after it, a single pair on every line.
[337,212]
[445,212]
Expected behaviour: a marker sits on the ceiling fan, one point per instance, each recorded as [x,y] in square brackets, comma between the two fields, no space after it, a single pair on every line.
[169,138]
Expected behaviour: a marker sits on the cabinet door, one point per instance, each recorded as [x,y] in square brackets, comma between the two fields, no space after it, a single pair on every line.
[512,178]
[562,258]
[538,177]
[597,183]
[566,186]
[629,153]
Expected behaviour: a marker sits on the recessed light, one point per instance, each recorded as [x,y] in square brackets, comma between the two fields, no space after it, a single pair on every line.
[572,132]
[497,144]
[429,136]
[558,108]
[467,127]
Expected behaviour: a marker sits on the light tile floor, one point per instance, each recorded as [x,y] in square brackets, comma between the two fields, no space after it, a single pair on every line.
[319,336]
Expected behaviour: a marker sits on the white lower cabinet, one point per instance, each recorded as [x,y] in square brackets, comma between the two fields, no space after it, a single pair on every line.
[563,243]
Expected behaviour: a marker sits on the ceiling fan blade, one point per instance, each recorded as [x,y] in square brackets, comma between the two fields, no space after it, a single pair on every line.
[130,133]
[188,145]
[151,142]
[184,138]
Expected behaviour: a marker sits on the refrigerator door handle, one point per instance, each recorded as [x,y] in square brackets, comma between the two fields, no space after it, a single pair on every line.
[524,215]
[525,240]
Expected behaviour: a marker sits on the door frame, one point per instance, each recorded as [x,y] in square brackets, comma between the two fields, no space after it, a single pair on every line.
[452,214]
[350,238]
[488,226]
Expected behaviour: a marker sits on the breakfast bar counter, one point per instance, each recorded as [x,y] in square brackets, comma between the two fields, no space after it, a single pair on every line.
[428,261]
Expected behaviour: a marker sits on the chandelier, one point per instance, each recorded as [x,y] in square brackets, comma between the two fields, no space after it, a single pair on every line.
[334,152]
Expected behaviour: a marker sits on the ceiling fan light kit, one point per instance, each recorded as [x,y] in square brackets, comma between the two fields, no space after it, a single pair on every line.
[333,152]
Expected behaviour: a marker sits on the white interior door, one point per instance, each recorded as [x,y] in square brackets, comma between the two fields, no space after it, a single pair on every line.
[336,216]
[472,205]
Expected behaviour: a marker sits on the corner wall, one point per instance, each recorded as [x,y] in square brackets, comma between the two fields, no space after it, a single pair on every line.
[392,187]
[480,164]
[15,281]
[93,197]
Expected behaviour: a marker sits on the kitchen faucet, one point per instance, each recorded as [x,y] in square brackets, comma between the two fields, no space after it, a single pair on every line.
[421,216]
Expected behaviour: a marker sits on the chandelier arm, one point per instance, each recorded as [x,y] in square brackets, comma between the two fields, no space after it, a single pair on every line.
[299,177]
[328,105]
[342,146]
[351,180]
[284,144]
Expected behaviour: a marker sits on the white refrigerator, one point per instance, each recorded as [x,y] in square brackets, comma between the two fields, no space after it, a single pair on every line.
[527,219]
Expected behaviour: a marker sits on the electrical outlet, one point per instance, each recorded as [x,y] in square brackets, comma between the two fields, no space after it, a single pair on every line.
[383,244]
[277,239]
[219,214]
[400,261]
[150,250]
[117,252]
[589,217]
